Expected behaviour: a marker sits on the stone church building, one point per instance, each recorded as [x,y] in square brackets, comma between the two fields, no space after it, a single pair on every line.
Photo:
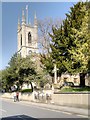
[27,36]
[27,41]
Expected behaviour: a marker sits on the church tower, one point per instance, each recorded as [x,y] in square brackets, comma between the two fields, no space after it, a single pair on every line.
[27,36]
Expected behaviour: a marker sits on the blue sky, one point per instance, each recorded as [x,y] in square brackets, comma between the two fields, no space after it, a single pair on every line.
[10,13]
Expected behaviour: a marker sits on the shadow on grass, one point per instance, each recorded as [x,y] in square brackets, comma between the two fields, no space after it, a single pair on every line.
[19,117]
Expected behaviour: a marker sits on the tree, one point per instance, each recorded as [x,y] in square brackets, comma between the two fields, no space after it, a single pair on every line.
[27,71]
[70,42]
[20,70]
[80,53]
[3,83]
[45,27]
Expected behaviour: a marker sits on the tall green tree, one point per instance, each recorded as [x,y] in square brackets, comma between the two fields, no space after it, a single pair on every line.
[20,70]
[70,43]
[80,53]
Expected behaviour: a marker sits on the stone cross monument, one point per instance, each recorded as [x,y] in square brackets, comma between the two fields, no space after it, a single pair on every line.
[55,74]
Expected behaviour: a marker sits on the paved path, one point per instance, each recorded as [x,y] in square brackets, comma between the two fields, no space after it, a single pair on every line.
[24,110]
[66,109]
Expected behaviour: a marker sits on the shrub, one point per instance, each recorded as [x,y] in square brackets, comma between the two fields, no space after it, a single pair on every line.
[26,90]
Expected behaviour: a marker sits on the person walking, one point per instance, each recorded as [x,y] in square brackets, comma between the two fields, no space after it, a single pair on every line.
[17,96]
[14,96]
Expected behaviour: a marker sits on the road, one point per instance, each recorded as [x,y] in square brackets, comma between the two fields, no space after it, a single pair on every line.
[22,111]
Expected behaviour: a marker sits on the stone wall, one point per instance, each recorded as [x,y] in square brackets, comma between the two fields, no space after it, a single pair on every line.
[24,96]
[76,100]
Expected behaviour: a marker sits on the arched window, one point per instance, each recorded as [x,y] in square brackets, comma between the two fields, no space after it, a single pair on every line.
[29,52]
[21,40]
[29,37]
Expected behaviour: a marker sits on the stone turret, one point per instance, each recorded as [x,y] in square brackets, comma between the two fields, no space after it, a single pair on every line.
[23,35]
[23,17]
[35,21]
[18,35]
[19,26]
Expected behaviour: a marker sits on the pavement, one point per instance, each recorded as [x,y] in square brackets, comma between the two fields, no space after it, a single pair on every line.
[74,110]
[66,109]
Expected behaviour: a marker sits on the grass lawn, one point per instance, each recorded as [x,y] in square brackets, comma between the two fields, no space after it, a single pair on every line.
[75,89]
